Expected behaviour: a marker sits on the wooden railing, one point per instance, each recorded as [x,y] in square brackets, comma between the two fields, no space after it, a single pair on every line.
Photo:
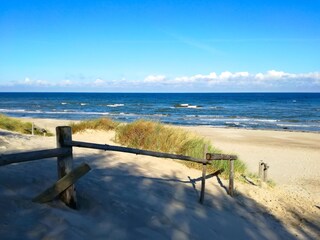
[6,159]
[67,175]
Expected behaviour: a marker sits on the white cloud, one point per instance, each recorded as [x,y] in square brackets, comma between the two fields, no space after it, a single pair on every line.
[214,78]
[155,79]
[65,83]
[29,82]
[198,77]
[225,75]
[99,82]
[241,74]
[275,75]
[271,80]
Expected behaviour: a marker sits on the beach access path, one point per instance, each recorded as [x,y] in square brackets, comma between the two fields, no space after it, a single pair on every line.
[144,197]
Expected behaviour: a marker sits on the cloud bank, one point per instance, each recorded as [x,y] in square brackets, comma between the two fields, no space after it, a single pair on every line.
[225,81]
[242,81]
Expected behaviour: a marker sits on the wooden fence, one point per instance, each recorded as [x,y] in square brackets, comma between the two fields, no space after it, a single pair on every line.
[67,175]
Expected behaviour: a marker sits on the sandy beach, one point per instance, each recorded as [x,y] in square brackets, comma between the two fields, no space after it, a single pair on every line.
[293,157]
[128,197]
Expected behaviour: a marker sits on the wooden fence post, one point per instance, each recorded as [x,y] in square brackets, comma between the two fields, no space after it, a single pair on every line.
[231,177]
[260,169]
[265,172]
[32,129]
[65,165]
[204,170]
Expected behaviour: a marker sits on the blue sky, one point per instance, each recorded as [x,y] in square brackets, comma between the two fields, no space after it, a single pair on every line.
[160,46]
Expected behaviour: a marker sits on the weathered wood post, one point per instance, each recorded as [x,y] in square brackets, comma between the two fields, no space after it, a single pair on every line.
[265,172]
[65,165]
[231,177]
[260,169]
[32,129]
[204,170]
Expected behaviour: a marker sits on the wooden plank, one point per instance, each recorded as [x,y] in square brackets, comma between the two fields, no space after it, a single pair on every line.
[6,159]
[214,156]
[62,184]
[203,180]
[132,150]
[65,165]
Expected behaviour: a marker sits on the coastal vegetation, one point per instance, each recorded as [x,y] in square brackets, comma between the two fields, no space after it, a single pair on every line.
[17,125]
[142,134]
[94,124]
[154,136]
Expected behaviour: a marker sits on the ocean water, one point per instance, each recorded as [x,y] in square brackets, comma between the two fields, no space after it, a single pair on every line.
[290,111]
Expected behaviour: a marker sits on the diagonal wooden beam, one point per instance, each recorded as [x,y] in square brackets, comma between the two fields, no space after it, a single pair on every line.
[62,184]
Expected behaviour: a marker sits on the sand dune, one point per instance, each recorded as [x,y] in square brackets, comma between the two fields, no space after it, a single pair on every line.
[136,197]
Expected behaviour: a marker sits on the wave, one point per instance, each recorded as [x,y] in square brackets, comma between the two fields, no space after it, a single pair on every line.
[186,105]
[231,119]
[216,107]
[296,125]
[65,111]
[64,103]
[266,120]
[75,112]
[19,111]
[139,115]
[12,110]
[116,105]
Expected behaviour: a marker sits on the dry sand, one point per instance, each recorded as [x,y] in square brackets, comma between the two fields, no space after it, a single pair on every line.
[293,157]
[137,197]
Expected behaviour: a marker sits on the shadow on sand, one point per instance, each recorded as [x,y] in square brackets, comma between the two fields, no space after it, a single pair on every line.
[121,201]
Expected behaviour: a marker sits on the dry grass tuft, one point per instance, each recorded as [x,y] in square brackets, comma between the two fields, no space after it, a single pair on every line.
[96,124]
[158,137]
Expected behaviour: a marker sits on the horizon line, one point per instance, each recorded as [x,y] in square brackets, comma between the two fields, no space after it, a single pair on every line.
[149,92]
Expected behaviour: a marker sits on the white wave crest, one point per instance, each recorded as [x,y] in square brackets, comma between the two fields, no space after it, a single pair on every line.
[116,105]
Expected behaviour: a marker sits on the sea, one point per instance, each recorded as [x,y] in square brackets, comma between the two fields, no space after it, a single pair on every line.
[277,111]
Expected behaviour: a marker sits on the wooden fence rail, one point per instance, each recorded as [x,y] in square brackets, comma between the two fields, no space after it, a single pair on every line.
[107,147]
[64,156]
[6,159]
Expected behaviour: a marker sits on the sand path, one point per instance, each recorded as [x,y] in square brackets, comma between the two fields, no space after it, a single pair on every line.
[128,197]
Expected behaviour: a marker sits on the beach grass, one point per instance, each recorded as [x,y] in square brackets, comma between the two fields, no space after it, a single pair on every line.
[155,136]
[94,124]
[17,125]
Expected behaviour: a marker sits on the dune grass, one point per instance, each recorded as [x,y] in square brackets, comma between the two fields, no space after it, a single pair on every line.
[16,125]
[154,136]
[94,124]
[158,137]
